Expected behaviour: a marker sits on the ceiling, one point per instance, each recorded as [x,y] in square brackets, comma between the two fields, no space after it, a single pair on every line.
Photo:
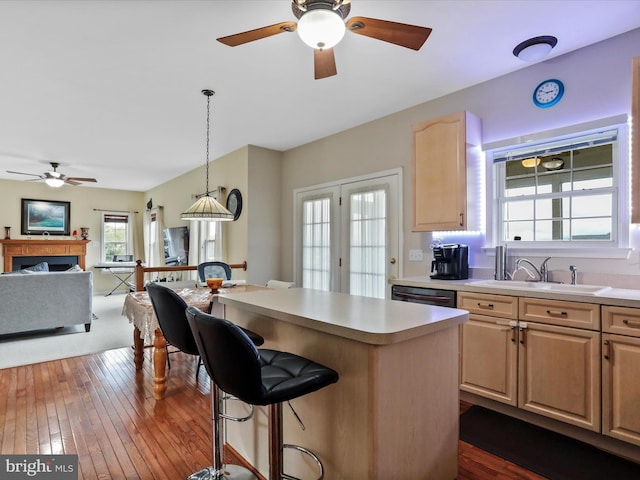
[111,89]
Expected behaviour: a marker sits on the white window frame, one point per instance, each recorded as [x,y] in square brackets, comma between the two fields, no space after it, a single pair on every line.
[618,247]
[129,240]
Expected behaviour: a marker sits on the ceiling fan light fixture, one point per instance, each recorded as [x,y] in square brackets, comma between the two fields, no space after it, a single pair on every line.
[54,182]
[536,48]
[530,162]
[321,28]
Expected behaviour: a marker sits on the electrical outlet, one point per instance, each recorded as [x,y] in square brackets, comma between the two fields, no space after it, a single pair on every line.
[416,255]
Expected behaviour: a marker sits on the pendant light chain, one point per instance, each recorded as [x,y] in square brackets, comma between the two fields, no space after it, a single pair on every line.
[208,93]
[207,207]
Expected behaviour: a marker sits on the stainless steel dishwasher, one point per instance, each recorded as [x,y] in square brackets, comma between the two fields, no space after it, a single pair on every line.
[427,296]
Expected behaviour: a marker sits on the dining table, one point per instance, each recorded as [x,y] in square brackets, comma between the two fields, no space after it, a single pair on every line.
[139,310]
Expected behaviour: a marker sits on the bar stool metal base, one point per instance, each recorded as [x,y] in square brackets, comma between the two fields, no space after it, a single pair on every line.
[228,472]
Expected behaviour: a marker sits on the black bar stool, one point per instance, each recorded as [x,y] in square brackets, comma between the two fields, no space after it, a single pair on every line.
[257,377]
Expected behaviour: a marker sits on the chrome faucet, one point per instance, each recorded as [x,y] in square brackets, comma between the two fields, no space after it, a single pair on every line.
[519,266]
[544,270]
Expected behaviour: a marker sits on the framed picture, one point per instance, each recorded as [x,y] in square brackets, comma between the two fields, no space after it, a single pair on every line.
[40,216]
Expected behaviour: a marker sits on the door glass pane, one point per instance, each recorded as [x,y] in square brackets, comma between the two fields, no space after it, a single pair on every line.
[316,248]
[367,247]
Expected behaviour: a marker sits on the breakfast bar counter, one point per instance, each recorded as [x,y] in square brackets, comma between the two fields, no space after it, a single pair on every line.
[394,411]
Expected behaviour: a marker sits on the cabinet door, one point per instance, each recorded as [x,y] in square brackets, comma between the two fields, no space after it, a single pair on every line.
[440,168]
[488,364]
[621,388]
[559,373]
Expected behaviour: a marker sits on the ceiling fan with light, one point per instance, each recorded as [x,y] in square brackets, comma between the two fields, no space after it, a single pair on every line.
[321,25]
[53,178]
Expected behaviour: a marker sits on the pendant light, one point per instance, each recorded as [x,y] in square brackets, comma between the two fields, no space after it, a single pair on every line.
[207,207]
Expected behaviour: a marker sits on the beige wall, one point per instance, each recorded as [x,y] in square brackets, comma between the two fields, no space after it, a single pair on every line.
[83,202]
[504,105]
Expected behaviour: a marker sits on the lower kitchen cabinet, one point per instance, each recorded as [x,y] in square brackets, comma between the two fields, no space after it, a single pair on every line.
[621,373]
[559,373]
[489,358]
[545,368]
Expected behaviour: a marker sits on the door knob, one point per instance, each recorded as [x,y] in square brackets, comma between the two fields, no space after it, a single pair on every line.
[392,261]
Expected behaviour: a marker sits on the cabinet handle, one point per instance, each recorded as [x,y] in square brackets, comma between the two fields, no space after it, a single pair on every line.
[556,313]
[462,219]
[521,332]
[607,352]
[485,305]
[513,324]
[631,323]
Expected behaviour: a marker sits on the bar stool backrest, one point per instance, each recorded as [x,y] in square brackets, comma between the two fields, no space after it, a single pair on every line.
[170,308]
[229,355]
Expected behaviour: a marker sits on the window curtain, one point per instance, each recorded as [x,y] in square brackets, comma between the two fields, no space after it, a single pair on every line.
[153,239]
[205,242]
[133,228]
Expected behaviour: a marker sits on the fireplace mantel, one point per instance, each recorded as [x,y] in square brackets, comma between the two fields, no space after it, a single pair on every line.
[42,248]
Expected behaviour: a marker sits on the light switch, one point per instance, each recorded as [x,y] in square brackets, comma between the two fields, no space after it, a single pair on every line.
[416,255]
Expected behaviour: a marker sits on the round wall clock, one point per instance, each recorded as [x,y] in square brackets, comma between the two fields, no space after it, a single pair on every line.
[548,93]
[234,203]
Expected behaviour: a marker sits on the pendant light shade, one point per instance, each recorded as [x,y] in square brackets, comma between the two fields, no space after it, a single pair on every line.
[207,207]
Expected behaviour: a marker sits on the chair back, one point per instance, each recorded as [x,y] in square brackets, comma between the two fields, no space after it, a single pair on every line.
[229,355]
[170,309]
[214,270]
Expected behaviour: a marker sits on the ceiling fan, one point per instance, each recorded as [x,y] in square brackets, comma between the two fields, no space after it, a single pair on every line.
[53,178]
[322,25]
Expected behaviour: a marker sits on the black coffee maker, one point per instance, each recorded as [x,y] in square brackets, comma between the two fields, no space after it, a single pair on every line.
[450,262]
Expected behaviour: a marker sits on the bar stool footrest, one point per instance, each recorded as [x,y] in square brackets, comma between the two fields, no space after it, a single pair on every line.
[306,451]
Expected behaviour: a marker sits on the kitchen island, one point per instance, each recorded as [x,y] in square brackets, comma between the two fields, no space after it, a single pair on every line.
[394,413]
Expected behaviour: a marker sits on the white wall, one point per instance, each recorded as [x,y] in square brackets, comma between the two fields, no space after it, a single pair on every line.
[598,85]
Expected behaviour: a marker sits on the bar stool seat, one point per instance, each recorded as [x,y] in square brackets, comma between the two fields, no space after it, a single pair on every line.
[257,376]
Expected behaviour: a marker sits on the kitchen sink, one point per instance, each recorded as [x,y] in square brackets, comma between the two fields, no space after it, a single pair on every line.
[546,286]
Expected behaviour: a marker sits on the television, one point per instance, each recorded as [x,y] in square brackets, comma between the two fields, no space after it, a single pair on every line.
[176,246]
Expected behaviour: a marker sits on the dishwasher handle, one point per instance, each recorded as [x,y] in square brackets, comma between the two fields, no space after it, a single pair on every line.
[423,298]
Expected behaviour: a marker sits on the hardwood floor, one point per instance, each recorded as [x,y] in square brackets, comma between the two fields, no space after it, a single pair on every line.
[98,407]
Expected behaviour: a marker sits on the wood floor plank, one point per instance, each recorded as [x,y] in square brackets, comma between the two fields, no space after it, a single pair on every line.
[101,408]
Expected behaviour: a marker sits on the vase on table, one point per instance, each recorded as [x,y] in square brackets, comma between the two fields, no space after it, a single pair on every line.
[7,233]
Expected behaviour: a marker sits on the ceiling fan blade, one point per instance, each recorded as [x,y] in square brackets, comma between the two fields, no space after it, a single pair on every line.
[324,63]
[69,181]
[22,173]
[257,34]
[80,179]
[402,34]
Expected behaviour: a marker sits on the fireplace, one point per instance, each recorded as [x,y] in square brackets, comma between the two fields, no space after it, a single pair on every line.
[56,264]
[57,253]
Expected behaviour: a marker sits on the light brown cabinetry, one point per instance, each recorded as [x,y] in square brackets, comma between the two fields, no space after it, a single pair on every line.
[488,349]
[446,154]
[621,373]
[546,366]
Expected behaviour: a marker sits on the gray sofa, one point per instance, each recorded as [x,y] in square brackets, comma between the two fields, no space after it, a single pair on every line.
[45,300]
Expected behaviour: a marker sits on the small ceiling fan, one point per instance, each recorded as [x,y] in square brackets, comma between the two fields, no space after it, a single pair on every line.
[53,178]
[322,25]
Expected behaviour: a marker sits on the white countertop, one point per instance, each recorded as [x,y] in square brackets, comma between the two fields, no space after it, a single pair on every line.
[368,320]
[614,296]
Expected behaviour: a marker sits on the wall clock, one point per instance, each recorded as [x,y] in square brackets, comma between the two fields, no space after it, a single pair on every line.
[548,93]
[234,203]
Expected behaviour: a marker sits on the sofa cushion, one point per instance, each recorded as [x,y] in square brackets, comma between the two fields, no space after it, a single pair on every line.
[40,267]
[75,268]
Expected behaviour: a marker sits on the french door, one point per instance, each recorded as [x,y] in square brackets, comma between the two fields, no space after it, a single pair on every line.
[348,235]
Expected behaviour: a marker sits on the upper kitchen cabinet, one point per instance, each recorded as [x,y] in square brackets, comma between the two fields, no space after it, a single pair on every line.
[446,173]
